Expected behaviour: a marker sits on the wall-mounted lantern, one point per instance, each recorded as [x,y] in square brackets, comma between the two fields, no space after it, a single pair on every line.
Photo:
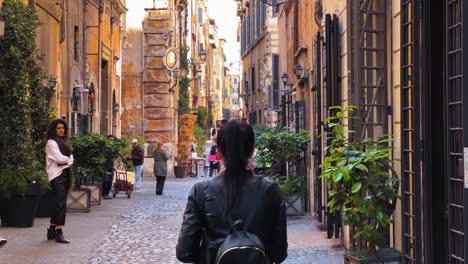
[75,98]
[202,55]
[274,2]
[52,83]
[298,70]
[284,78]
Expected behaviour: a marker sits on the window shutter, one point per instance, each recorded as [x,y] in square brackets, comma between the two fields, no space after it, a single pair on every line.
[276,87]
[262,24]
[200,15]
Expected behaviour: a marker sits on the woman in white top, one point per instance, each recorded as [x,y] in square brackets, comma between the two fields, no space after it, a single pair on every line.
[59,158]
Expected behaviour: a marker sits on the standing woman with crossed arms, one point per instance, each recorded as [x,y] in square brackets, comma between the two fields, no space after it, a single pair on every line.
[59,158]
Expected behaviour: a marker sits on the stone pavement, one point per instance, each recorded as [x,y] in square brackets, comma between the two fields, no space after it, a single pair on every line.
[143,229]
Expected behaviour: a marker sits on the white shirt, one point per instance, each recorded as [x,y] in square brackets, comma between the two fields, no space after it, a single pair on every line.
[53,158]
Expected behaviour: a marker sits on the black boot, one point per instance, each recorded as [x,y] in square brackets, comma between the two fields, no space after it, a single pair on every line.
[59,237]
[2,242]
[50,233]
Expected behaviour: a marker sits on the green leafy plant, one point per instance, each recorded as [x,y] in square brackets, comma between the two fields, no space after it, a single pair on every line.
[202,114]
[94,154]
[357,172]
[184,97]
[24,101]
[184,62]
[200,139]
[291,185]
[278,145]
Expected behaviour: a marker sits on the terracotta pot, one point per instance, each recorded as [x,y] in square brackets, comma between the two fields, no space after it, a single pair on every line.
[180,171]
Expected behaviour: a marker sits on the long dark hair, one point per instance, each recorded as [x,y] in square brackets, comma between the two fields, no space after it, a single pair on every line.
[51,130]
[63,142]
[236,142]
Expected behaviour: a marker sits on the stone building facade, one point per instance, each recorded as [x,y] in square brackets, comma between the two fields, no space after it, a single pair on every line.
[150,89]
[260,62]
[400,63]
[81,43]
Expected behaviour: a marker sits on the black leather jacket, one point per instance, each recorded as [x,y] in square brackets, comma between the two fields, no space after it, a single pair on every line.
[203,229]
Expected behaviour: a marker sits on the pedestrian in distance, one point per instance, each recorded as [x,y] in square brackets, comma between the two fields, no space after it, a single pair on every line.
[213,158]
[160,167]
[237,217]
[107,180]
[138,156]
[59,158]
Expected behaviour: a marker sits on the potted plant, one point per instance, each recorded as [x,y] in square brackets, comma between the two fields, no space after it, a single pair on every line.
[277,146]
[293,189]
[186,130]
[94,154]
[24,116]
[363,185]
[21,192]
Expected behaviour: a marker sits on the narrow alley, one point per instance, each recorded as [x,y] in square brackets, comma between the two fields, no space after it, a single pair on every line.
[143,229]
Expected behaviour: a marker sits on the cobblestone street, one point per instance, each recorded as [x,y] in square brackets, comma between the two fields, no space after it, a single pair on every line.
[143,229]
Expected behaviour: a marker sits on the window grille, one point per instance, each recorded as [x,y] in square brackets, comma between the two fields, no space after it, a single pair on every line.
[317,128]
[454,131]
[410,156]
[369,66]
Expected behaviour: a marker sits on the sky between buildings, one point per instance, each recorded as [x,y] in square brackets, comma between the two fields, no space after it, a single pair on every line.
[223,11]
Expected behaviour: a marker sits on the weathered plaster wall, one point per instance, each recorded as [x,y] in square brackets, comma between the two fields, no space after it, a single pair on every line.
[132,73]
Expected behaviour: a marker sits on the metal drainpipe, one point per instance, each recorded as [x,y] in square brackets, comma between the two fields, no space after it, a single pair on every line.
[85,81]
[296,28]
[100,10]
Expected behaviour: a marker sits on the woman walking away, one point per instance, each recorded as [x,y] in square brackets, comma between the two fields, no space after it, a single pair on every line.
[235,205]
[160,167]
[213,158]
[59,158]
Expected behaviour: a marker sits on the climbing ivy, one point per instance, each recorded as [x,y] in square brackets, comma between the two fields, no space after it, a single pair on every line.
[202,114]
[184,97]
[24,101]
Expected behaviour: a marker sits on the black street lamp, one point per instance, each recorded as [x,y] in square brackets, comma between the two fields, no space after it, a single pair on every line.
[176,72]
[274,2]
[202,55]
[284,78]
[52,83]
[298,70]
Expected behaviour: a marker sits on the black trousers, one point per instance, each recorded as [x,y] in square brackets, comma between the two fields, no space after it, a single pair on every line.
[213,166]
[107,183]
[160,184]
[60,187]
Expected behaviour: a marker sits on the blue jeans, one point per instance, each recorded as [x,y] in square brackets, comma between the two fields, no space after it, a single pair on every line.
[138,171]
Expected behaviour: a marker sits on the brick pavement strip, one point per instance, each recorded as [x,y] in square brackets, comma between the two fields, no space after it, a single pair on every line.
[143,229]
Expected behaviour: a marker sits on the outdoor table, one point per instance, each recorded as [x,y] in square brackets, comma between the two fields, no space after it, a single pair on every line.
[196,160]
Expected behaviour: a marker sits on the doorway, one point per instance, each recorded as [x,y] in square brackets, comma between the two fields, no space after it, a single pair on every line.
[104,98]
[444,175]
[435,184]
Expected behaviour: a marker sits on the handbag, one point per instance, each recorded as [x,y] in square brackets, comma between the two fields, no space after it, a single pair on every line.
[212,158]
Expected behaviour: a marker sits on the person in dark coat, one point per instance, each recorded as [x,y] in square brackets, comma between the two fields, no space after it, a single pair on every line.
[214,163]
[160,167]
[138,157]
[236,194]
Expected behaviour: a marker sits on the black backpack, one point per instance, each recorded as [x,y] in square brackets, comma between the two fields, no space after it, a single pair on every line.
[241,246]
